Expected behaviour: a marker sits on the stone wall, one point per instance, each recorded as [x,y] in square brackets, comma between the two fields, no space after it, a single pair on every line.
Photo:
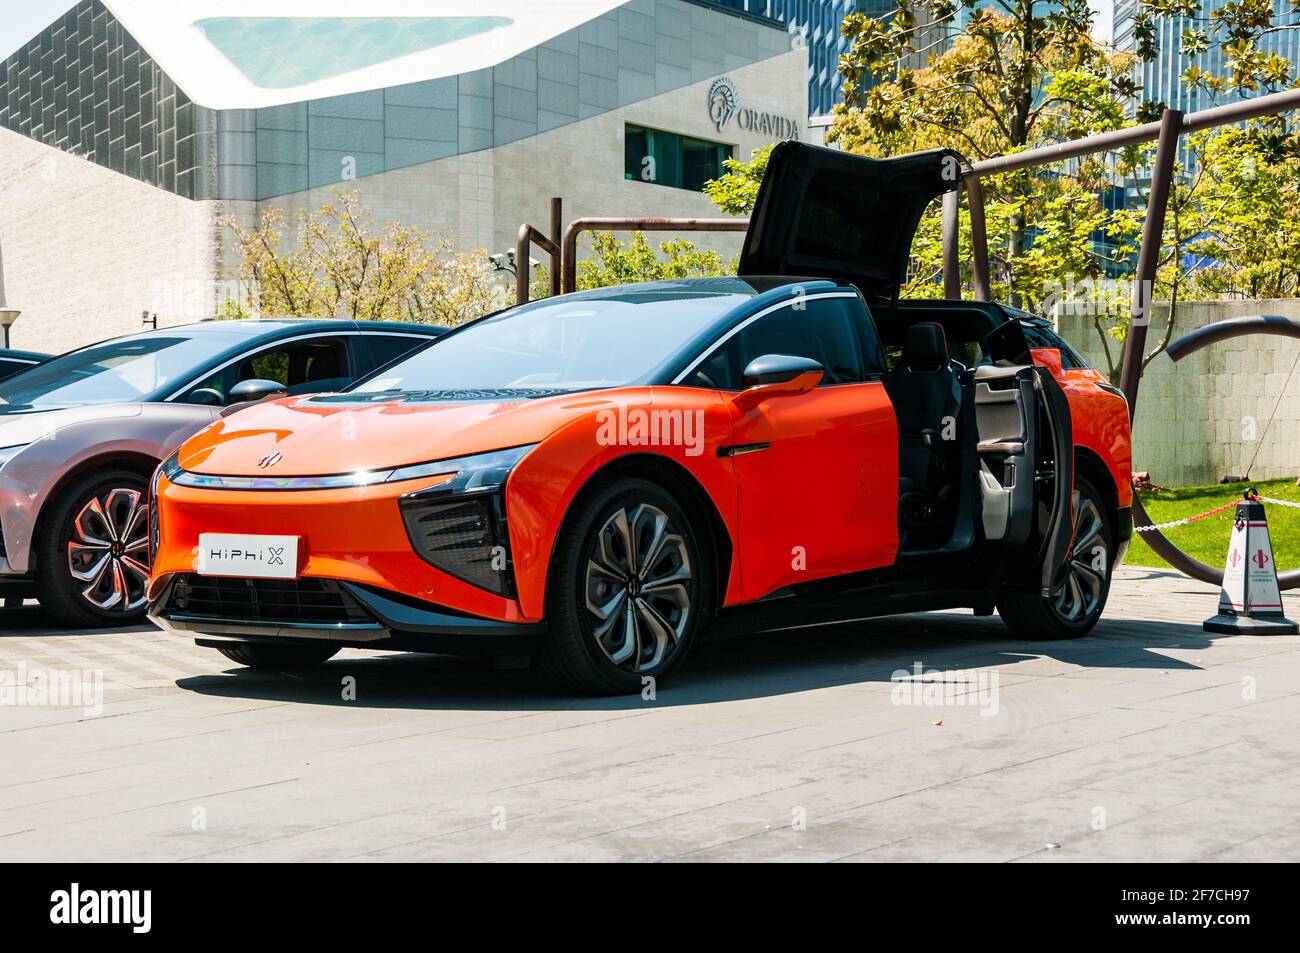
[1205,416]
[87,249]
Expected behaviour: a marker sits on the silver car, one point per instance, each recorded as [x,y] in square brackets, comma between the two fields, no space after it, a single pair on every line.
[81,435]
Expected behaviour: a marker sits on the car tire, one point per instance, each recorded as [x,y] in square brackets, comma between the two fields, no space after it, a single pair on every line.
[92,552]
[278,656]
[597,644]
[1079,601]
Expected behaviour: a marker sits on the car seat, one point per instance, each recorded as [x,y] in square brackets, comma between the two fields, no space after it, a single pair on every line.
[926,394]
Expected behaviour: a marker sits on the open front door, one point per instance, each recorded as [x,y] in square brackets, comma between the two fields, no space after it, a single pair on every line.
[1025,454]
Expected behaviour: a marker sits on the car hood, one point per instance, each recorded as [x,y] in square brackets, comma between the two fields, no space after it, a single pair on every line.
[332,435]
[25,425]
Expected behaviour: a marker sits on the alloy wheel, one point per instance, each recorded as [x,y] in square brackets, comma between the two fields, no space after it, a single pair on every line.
[1086,571]
[108,551]
[639,587]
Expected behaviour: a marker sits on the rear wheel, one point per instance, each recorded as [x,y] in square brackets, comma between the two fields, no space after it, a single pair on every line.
[1076,604]
[630,588]
[92,554]
[278,656]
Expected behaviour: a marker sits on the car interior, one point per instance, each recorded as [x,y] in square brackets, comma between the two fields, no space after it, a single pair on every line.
[954,363]
[303,367]
[926,393]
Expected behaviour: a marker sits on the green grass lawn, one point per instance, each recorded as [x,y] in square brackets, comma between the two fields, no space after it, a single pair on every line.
[1207,539]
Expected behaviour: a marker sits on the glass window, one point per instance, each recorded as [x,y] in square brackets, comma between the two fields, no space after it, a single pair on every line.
[304,367]
[574,343]
[282,52]
[10,368]
[119,371]
[386,348]
[666,158]
[825,331]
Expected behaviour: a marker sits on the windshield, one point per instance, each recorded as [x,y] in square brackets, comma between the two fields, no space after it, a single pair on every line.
[121,371]
[575,343]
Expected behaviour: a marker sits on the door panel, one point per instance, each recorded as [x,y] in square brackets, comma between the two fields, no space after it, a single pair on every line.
[1006,416]
[818,477]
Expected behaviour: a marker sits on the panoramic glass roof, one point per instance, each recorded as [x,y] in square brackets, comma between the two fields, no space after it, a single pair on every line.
[283,52]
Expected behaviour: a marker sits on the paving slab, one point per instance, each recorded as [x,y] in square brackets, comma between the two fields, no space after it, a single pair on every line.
[1149,739]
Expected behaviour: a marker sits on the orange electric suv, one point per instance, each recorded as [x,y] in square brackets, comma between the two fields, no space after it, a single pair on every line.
[597,479]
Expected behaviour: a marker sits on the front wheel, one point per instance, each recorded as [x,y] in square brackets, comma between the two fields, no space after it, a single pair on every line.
[631,586]
[1076,604]
[92,555]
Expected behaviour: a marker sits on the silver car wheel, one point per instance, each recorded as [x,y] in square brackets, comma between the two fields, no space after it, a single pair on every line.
[108,551]
[638,588]
[1088,567]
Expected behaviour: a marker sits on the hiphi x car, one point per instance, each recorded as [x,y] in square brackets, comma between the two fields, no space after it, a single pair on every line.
[81,434]
[597,479]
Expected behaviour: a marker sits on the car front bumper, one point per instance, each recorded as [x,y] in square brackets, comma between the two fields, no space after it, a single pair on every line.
[379,620]
[353,536]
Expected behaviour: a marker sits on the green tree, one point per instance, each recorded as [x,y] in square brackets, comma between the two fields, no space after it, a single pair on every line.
[1027,73]
[340,264]
[1022,74]
[736,191]
[1239,26]
[1253,248]
[615,262]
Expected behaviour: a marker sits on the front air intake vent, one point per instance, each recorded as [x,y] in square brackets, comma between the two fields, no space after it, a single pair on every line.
[465,537]
[315,601]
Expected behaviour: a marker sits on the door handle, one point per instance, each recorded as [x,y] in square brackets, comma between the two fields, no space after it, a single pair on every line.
[740,449]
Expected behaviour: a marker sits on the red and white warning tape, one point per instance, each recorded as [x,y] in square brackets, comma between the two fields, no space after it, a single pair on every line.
[1218,509]
[1189,519]
[1269,499]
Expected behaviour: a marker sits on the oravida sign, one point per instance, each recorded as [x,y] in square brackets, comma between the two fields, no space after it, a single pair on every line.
[725,105]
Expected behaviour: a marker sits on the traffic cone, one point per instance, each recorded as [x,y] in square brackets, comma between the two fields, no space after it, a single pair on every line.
[1250,601]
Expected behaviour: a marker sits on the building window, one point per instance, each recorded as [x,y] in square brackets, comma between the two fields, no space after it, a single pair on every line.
[666,158]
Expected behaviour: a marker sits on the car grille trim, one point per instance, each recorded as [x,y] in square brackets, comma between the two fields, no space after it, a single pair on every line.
[312,601]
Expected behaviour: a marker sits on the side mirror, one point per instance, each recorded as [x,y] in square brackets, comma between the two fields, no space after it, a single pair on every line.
[246,392]
[777,375]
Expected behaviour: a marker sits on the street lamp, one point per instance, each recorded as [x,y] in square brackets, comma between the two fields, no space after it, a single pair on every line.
[7,317]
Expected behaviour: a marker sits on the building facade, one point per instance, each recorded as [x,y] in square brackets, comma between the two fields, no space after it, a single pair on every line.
[816,24]
[1160,79]
[133,131]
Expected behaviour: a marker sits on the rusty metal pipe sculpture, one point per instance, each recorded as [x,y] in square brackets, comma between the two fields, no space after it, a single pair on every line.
[580,225]
[528,236]
[1190,343]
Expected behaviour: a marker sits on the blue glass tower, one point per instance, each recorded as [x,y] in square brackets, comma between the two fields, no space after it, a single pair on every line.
[1160,79]
[817,22]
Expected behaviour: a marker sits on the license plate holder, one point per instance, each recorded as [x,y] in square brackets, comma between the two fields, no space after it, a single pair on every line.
[248,555]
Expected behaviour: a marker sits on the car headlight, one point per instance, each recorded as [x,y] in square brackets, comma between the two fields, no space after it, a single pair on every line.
[6,453]
[459,526]
[168,467]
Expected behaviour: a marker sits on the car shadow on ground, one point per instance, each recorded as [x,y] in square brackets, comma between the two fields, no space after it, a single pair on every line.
[29,621]
[757,665]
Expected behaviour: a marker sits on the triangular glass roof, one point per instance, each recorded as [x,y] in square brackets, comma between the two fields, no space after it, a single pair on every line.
[284,52]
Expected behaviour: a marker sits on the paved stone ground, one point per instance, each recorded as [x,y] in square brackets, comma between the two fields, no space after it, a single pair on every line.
[1147,741]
